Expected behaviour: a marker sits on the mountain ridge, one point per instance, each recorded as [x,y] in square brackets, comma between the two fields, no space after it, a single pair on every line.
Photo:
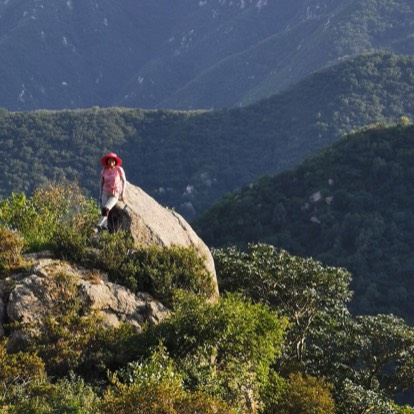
[210,54]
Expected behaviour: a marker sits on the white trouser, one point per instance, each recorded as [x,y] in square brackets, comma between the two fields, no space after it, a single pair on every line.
[108,201]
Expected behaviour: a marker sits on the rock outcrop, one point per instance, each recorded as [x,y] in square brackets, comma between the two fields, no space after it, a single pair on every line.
[150,223]
[28,298]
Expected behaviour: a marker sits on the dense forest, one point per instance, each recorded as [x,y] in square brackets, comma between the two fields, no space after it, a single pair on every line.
[349,206]
[188,160]
[280,338]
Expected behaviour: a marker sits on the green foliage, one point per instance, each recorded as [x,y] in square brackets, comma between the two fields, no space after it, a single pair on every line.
[41,217]
[368,359]
[380,351]
[236,355]
[373,353]
[64,332]
[11,248]
[18,368]
[164,270]
[403,409]
[275,277]
[404,120]
[68,395]
[71,239]
[17,212]
[114,256]
[357,399]
[157,270]
[154,386]
[305,395]
[225,349]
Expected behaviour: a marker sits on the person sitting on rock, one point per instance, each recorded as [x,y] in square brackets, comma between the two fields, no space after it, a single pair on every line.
[112,188]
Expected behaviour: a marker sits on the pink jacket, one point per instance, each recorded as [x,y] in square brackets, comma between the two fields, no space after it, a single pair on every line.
[113,181]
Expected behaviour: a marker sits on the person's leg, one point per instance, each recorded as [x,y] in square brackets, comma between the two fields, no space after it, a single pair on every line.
[108,202]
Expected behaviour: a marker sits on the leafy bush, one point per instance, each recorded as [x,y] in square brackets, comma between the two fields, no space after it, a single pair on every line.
[357,399]
[157,270]
[71,238]
[11,248]
[19,367]
[39,218]
[225,349]
[162,270]
[113,254]
[375,353]
[68,395]
[402,409]
[274,277]
[155,386]
[306,395]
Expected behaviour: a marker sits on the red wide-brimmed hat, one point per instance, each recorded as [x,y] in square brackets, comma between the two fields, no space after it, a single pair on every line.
[104,159]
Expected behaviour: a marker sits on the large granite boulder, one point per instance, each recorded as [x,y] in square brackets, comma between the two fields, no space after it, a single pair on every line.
[150,223]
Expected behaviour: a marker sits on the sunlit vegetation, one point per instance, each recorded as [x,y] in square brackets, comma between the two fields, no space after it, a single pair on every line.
[279,340]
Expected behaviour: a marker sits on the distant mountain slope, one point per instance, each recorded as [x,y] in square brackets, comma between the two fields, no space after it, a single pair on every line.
[188,160]
[350,206]
[184,54]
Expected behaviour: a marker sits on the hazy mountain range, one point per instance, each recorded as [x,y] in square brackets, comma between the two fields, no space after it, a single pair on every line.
[182,54]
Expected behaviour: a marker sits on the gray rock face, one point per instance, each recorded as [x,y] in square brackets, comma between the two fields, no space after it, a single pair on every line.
[35,296]
[150,223]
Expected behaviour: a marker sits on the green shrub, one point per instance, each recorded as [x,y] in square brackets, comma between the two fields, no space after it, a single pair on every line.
[113,255]
[404,120]
[18,213]
[71,240]
[225,349]
[19,367]
[306,395]
[11,248]
[354,398]
[69,395]
[406,409]
[154,386]
[163,270]
[312,296]
[39,217]
[157,270]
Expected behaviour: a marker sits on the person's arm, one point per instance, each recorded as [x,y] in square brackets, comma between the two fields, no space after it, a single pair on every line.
[124,183]
[102,181]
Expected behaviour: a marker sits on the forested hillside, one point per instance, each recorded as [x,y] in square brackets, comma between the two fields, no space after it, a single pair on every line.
[350,206]
[184,54]
[188,160]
